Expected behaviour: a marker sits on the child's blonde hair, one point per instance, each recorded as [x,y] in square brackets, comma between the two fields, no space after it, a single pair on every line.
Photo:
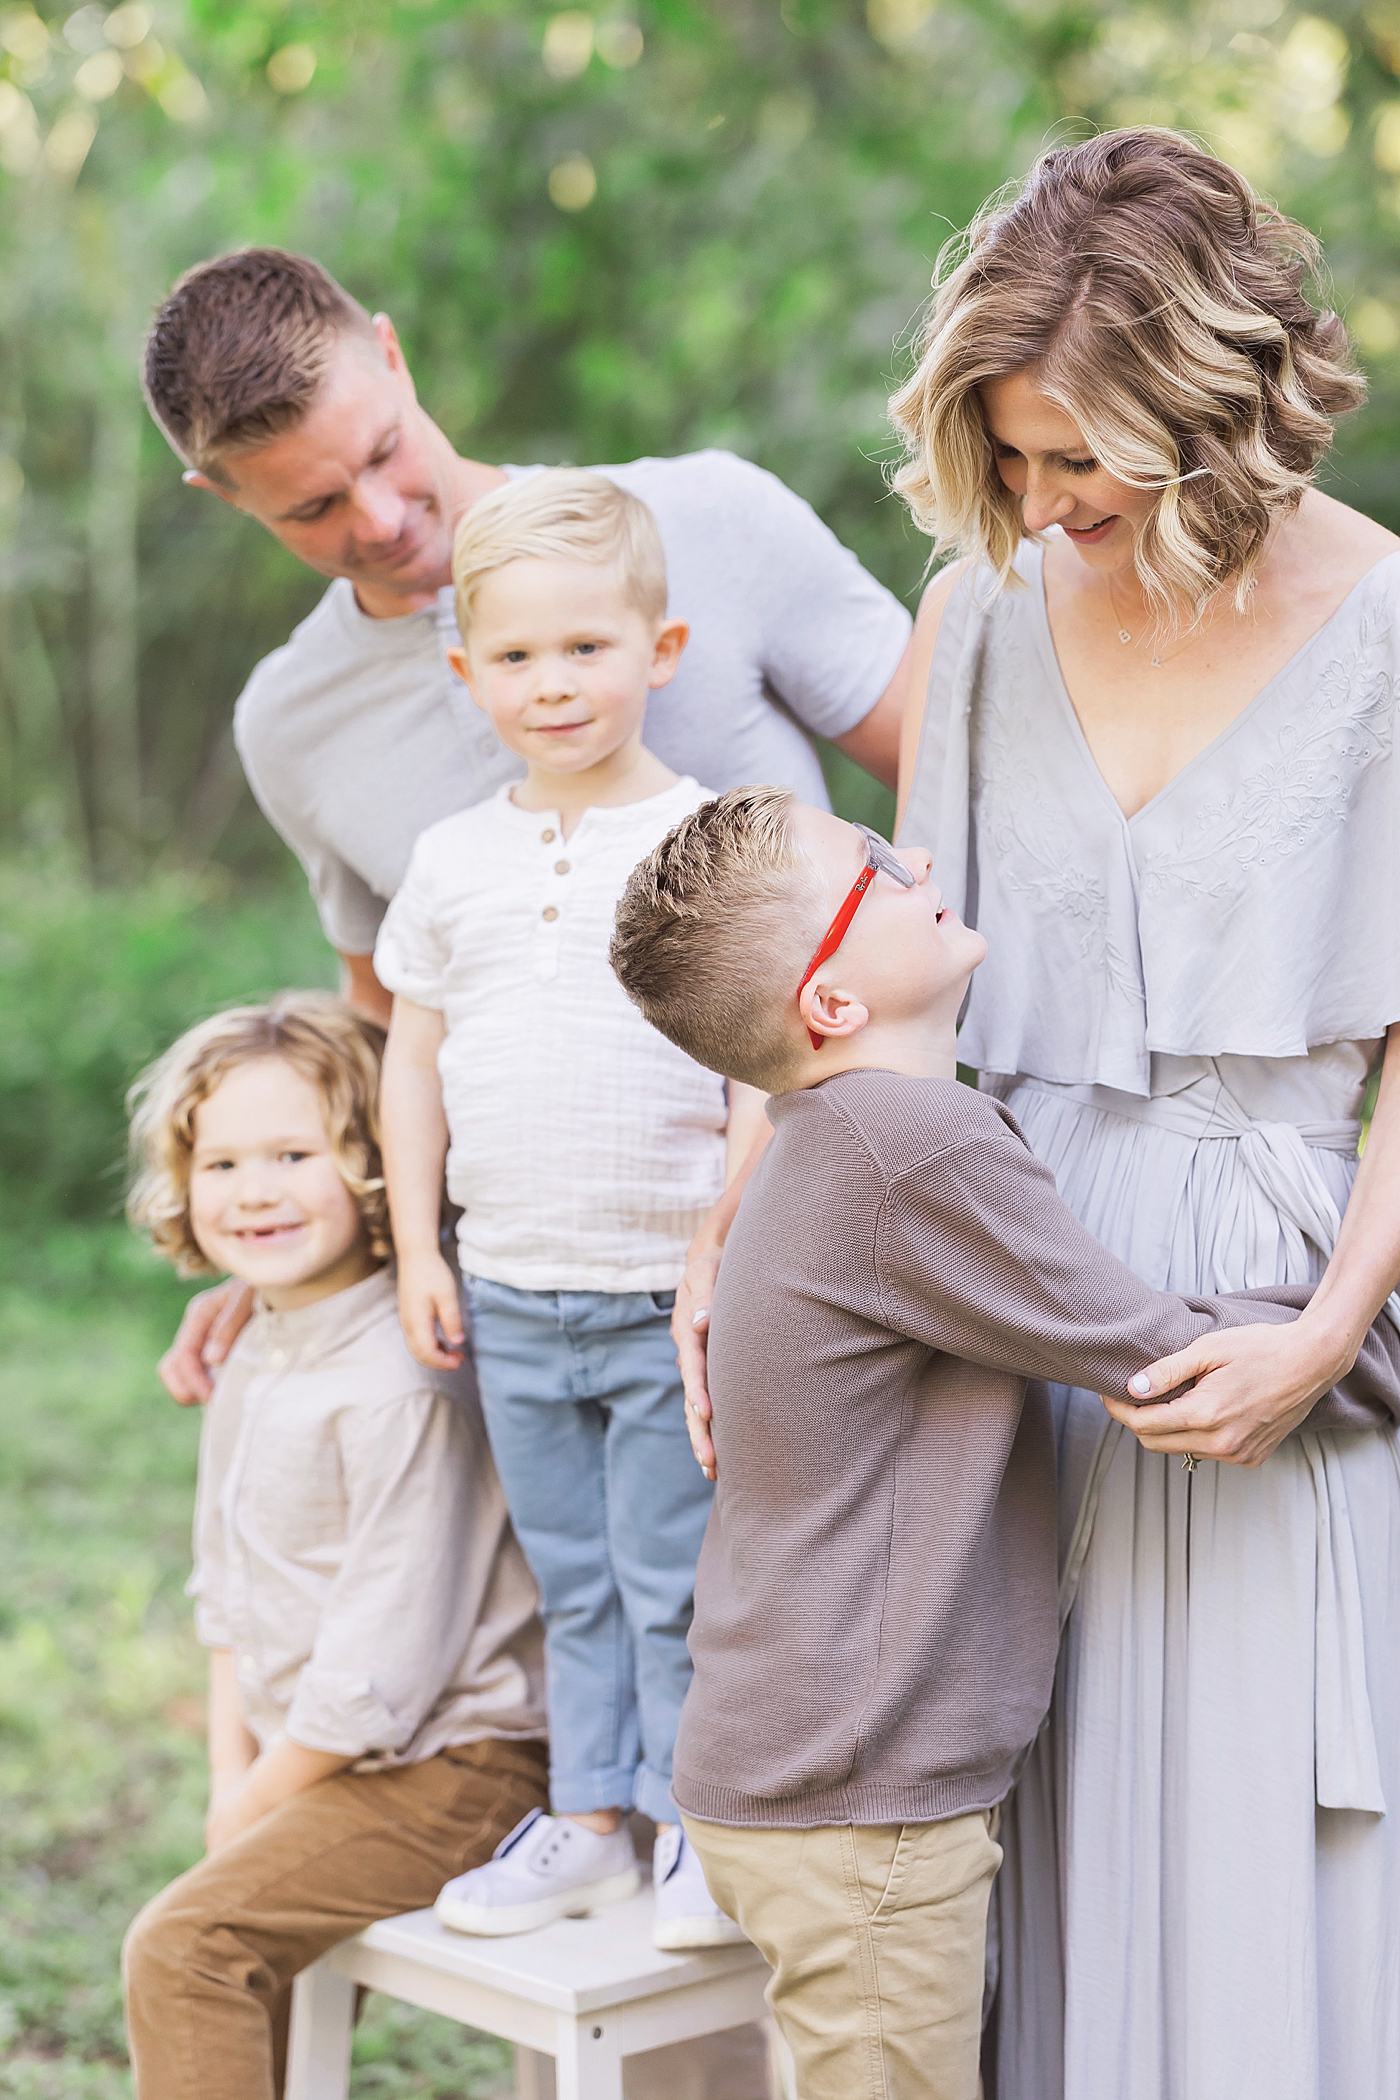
[336,1049]
[561,514]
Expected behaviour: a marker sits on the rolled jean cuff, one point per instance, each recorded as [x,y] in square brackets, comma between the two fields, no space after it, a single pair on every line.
[581,1793]
[651,1793]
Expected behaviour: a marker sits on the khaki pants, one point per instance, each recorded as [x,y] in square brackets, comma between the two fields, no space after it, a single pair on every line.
[876,1937]
[208,1965]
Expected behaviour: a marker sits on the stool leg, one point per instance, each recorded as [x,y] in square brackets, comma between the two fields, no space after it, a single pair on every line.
[534,2075]
[588,2060]
[323,2023]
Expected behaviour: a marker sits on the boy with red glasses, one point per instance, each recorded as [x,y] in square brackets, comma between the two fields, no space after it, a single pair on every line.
[875,1622]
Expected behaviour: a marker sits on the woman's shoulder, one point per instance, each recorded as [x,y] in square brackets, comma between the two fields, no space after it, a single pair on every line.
[1333,547]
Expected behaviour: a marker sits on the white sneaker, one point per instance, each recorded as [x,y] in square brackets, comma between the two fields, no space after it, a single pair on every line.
[547,1868]
[687,1915]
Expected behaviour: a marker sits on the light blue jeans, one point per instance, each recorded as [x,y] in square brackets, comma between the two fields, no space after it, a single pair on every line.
[586,1415]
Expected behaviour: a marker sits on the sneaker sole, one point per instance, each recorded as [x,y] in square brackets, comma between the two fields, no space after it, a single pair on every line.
[500,1921]
[680,1934]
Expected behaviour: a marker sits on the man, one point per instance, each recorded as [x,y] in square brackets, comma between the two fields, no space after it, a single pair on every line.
[287,400]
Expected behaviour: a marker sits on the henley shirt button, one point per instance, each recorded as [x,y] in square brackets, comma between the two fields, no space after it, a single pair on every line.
[549,912]
[561,867]
[246,1670]
[277,1358]
[548,837]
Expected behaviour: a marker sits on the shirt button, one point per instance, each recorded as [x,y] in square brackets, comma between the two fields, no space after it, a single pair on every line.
[561,867]
[549,912]
[548,837]
[277,1358]
[246,1670]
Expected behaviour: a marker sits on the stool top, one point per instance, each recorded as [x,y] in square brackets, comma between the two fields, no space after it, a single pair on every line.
[578,1965]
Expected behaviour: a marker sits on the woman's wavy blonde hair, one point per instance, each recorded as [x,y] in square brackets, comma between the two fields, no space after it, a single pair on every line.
[336,1049]
[1160,303]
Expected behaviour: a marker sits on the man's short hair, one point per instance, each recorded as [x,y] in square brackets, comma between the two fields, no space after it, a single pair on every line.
[237,352]
[714,930]
[561,514]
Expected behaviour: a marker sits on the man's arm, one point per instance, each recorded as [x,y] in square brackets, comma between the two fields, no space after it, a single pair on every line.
[874,743]
[360,987]
[414,1129]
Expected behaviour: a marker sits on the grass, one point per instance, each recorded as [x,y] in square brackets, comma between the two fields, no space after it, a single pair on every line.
[101,1682]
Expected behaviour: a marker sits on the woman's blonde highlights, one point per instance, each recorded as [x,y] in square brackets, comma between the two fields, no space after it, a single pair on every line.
[1160,304]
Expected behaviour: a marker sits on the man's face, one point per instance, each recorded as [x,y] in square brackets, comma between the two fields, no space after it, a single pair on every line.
[364,486]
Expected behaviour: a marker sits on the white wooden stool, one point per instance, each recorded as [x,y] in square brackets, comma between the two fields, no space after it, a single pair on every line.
[586,1991]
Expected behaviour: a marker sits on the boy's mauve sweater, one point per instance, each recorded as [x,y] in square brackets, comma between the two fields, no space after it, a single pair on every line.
[875,1614]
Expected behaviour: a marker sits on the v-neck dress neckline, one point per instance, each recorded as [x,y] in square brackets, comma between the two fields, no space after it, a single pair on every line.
[1207,752]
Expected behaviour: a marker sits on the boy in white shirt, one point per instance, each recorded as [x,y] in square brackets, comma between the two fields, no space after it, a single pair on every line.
[584,1150]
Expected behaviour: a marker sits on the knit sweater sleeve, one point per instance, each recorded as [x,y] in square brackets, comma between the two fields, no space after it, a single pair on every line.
[976,1254]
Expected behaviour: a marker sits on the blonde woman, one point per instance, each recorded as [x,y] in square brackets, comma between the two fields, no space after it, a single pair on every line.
[1151,749]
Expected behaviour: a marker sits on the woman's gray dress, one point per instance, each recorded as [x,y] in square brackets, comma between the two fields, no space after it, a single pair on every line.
[1201,1899]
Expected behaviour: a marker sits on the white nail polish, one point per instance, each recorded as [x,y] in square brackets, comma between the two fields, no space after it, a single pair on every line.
[1141,1385]
[699,1319]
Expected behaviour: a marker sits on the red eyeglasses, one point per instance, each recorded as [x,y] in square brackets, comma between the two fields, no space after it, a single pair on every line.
[880,859]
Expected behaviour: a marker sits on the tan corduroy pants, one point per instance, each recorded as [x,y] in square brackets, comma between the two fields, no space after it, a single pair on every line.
[209,1963]
[876,1936]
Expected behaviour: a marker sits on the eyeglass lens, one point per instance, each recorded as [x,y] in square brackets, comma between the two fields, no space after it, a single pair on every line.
[883,856]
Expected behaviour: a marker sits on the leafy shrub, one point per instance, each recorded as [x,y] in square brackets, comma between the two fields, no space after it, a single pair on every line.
[95,982]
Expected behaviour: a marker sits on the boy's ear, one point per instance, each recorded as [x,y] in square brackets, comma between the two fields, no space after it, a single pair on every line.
[672,638]
[828,1011]
[461,664]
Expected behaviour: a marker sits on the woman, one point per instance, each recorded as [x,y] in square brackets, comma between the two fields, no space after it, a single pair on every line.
[1155,766]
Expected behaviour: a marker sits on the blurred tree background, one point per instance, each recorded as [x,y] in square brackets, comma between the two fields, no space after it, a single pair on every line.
[641,226]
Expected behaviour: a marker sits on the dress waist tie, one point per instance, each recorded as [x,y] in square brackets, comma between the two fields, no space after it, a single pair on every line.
[1278,1159]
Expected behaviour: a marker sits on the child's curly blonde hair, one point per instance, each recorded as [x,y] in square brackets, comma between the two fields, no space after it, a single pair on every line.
[338,1050]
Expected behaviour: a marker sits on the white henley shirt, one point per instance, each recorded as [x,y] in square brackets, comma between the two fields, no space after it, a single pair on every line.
[585,1148]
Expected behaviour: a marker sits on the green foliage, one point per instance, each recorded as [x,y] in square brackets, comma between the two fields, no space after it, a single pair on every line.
[603,231]
[101,1684]
[93,984]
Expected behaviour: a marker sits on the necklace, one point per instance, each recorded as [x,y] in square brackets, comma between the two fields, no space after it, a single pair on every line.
[1157,660]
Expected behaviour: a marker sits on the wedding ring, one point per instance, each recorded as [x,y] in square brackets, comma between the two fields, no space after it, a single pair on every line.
[1190,1462]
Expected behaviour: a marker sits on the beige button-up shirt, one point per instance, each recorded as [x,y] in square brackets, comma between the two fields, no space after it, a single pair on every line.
[352,1546]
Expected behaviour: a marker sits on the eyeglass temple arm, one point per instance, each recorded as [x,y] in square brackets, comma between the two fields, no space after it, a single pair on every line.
[835,934]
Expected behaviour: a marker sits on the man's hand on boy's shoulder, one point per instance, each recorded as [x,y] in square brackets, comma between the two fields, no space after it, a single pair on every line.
[212,1323]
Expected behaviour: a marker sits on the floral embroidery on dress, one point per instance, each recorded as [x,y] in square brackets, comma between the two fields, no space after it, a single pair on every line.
[1278,808]
[1032,839]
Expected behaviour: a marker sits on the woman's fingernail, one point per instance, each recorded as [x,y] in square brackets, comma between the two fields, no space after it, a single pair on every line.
[1141,1385]
[699,1319]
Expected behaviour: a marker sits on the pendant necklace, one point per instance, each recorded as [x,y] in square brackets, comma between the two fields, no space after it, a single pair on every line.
[1156,660]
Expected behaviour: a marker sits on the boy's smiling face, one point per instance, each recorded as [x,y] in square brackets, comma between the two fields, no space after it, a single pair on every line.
[905,961]
[562,661]
[267,1199]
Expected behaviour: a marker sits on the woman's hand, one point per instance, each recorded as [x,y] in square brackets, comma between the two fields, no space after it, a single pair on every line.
[690,1331]
[1254,1385]
[212,1322]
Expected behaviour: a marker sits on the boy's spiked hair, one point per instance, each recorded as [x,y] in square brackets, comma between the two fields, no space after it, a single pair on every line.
[338,1050]
[562,514]
[713,930]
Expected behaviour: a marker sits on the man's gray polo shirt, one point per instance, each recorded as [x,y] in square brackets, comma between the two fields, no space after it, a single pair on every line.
[356,736]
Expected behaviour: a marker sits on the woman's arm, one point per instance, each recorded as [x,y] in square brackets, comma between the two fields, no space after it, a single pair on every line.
[1257,1384]
[919,658]
[415,1151]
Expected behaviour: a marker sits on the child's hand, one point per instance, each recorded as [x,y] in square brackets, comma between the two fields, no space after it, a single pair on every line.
[230,1813]
[431,1311]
